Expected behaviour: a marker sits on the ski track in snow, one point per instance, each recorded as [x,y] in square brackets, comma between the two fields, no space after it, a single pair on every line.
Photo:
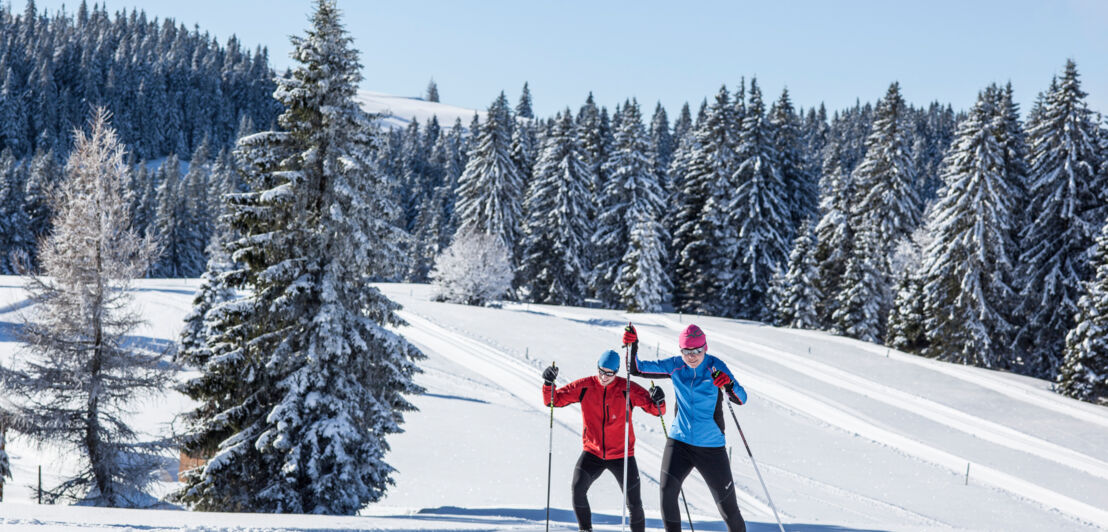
[926,408]
[824,487]
[518,379]
[1013,390]
[838,416]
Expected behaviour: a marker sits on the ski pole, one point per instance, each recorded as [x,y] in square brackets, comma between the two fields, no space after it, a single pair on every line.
[626,436]
[683,500]
[550,455]
[751,455]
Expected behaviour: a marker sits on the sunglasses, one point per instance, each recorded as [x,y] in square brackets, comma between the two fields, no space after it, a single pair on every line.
[606,373]
[694,351]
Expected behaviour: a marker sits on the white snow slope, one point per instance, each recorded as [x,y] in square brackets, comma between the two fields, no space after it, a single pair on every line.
[398,111]
[849,436]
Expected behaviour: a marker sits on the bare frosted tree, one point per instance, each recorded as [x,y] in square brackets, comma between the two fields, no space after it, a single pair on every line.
[474,270]
[72,382]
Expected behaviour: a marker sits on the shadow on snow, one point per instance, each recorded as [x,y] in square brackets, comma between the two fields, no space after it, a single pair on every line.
[566,517]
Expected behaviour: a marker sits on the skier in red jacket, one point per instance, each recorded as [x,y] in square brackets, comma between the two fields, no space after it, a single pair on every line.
[603,404]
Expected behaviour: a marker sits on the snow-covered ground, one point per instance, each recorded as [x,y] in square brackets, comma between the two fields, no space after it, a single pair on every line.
[398,111]
[848,436]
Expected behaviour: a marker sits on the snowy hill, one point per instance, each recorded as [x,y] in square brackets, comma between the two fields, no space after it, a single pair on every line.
[399,110]
[849,436]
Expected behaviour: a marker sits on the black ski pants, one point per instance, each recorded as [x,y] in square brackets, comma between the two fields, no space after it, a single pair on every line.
[678,461]
[589,468]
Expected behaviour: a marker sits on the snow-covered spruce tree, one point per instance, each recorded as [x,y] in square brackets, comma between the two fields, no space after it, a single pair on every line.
[591,136]
[1013,145]
[629,224]
[800,187]
[643,281]
[683,125]
[905,330]
[308,381]
[193,347]
[1084,371]
[834,235]
[760,210]
[44,174]
[15,236]
[968,268]
[201,207]
[432,91]
[799,296]
[740,102]
[523,149]
[77,376]
[886,198]
[701,232]
[410,187]
[177,228]
[1067,201]
[815,135]
[662,144]
[858,312]
[627,167]
[557,226]
[523,107]
[474,270]
[490,191]
[431,228]
[144,200]
[885,204]
[448,154]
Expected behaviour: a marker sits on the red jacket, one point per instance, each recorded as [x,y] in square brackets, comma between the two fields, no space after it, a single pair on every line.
[602,409]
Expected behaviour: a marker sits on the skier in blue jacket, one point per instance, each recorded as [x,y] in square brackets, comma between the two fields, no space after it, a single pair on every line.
[700,382]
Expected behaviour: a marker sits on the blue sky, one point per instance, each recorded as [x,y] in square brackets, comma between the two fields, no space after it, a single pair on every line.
[673,52]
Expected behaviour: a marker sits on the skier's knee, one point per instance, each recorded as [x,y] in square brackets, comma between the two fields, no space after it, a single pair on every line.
[670,486]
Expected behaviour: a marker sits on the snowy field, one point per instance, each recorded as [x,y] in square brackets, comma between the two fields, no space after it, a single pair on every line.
[399,111]
[849,436]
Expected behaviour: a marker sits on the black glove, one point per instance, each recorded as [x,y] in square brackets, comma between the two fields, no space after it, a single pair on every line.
[549,374]
[657,395]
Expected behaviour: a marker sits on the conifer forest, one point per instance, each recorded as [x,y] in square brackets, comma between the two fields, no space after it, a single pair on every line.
[977,236]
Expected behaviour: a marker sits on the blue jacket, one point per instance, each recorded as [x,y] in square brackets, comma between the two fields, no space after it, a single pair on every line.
[699,410]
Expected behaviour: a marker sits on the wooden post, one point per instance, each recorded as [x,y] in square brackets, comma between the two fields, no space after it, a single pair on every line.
[40,484]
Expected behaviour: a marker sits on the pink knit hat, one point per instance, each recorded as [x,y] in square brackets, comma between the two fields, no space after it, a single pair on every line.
[691,338]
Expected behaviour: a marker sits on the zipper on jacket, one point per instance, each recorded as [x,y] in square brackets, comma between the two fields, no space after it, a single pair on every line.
[603,422]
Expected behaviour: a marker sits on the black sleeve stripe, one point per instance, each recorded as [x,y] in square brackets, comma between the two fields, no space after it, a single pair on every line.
[581,397]
[718,414]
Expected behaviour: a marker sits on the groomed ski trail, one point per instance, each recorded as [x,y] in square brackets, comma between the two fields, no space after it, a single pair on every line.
[1007,387]
[518,379]
[822,410]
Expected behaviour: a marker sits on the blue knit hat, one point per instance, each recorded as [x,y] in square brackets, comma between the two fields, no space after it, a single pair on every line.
[609,360]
